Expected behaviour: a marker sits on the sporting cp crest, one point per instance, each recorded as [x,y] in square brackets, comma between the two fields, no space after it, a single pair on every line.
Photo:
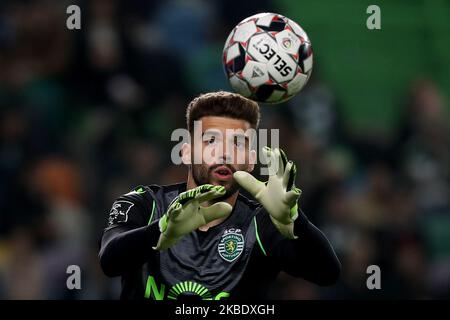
[231,244]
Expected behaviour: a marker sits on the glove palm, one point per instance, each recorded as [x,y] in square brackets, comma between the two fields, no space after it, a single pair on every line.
[185,214]
[278,195]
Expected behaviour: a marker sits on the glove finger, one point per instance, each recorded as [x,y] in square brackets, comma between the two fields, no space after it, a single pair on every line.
[193,193]
[268,159]
[287,175]
[216,211]
[276,164]
[174,211]
[266,152]
[292,176]
[282,161]
[215,192]
[249,182]
[271,160]
[284,158]
[292,196]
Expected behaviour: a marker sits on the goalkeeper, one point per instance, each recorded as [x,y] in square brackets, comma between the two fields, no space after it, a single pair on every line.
[202,238]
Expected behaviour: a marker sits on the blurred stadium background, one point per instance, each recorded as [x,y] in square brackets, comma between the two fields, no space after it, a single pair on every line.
[87,115]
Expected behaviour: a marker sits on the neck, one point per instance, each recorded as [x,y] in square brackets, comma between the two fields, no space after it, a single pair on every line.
[230,200]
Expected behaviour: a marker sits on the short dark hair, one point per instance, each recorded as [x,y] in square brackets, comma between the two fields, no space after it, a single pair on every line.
[223,104]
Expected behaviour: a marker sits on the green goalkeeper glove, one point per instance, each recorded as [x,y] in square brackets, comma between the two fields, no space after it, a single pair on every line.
[278,195]
[185,214]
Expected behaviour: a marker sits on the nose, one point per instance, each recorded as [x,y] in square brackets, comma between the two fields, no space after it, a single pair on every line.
[226,158]
[225,155]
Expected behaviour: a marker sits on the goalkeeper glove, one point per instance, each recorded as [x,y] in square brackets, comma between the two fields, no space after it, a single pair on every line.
[185,214]
[278,195]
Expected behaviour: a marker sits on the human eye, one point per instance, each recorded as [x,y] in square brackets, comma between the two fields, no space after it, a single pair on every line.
[239,142]
[211,140]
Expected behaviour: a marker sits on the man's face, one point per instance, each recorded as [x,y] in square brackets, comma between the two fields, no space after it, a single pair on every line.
[220,146]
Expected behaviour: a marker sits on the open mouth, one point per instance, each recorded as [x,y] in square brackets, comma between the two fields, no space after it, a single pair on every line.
[223,173]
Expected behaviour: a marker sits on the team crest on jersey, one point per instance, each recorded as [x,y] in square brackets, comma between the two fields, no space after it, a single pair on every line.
[119,211]
[231,244]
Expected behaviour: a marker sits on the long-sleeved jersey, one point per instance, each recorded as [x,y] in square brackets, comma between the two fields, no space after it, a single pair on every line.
[236,259]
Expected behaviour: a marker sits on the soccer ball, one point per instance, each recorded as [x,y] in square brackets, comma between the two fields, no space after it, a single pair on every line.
[268,58]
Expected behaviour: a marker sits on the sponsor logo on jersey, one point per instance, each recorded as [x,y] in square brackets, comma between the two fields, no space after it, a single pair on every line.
[231,244]
[180,289]
[119,211]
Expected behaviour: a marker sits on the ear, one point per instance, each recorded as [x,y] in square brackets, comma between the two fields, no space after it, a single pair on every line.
[252,160]
[186,153]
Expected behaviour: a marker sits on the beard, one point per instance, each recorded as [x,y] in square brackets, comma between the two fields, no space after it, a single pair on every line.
[203,174]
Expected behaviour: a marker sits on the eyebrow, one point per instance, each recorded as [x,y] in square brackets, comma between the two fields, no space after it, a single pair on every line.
[215,131]
[239,135]
[211,131]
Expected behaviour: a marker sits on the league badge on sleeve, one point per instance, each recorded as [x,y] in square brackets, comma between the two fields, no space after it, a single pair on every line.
[119,212]
[231,244]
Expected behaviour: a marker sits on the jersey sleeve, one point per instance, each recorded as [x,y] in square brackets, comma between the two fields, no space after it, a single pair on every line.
[133,209]
[131,232]
[310,256]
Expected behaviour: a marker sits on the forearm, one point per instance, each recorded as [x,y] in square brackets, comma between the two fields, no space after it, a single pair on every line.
[123,249]
[310,256]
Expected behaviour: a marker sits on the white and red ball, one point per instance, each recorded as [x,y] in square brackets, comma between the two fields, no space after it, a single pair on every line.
[268,58]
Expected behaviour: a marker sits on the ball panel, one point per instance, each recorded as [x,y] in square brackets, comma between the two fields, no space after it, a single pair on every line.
[232,52]
[276,96]
[265,20]
[304,51]
[262,47]
[255,73]
[305,56]
[307,64]
[263,92]
[240,86]
[277,23]
[228,42]
[288,41]
[244,31]
[255,17]
[238,63]
[281,67]
[298,30]
[297,83]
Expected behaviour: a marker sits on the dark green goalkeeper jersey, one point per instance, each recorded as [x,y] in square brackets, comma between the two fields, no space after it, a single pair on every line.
[237,259]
